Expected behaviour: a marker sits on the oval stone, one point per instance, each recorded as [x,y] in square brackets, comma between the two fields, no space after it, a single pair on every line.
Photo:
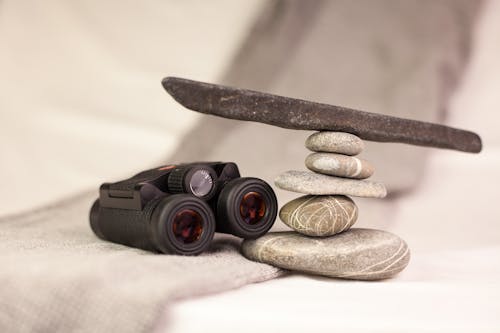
[359,254]
[319,215]
[339,165]
[317,184]
[335,142]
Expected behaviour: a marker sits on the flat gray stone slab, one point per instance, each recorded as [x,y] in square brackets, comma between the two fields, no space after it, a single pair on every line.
[335,142]
[339,165]
[314,183]
[322,215]
[359,254]
[242,104]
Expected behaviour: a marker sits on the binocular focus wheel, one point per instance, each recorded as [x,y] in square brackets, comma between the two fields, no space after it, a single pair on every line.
[187,179]
[182,224]
[230,207]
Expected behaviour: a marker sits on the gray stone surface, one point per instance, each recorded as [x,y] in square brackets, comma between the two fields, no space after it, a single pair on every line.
[339,165]
[314,183]
[360,254]
[335,142]
[249,105]
[323,215]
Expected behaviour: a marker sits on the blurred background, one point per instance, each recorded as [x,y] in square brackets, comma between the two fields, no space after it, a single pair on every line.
[81,103]
[81,97]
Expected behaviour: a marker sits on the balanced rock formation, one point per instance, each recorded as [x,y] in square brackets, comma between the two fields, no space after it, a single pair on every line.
[322,241]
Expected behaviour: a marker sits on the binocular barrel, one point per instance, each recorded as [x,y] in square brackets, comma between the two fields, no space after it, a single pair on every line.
[246,207]
[177,224]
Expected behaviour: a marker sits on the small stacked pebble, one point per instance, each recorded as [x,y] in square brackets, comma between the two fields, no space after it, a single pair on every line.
[322,241]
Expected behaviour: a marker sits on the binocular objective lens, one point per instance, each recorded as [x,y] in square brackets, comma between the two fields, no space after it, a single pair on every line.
[187,226]
[201,183]
[252,207]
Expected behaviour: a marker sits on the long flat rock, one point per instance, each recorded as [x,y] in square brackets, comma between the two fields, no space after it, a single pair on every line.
[248,105]
[317,184]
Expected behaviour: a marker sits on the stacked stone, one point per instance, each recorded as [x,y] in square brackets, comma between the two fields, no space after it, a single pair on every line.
[327,208]
[322,241]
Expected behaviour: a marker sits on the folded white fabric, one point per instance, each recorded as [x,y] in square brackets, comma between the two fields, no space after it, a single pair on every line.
[56,276]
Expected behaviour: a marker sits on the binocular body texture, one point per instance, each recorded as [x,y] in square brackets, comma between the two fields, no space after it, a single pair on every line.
[177,208]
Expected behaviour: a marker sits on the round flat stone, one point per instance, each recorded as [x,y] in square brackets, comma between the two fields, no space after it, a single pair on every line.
[314,183]
[319,215]
[335,142]
[339,165]
[359,254]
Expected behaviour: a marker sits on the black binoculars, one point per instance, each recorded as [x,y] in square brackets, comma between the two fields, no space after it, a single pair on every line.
[177,208]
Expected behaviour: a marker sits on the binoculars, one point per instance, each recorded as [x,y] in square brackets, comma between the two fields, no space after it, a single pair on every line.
[177,208]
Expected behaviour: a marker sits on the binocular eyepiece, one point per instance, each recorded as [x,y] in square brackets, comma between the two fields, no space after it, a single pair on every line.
[177,208]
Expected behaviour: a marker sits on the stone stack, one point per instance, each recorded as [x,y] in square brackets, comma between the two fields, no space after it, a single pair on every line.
[327,208]
[322,242]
